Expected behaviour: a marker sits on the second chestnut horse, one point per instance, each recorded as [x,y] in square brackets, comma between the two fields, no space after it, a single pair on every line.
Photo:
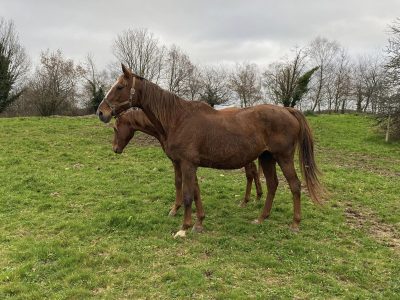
[135,120]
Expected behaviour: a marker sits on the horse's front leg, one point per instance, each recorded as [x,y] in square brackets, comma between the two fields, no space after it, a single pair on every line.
[188,189]
[178,190]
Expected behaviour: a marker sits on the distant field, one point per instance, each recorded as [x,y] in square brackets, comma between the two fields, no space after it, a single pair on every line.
[78,221]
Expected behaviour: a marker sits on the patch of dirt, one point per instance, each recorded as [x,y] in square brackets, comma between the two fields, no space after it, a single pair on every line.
[77,166]
[144,140]
[366,221]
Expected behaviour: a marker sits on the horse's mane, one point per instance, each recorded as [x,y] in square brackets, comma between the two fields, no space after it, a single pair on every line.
[163,104]
[167,106]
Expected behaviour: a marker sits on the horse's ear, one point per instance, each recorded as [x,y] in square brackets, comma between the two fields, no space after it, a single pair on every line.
[126,71]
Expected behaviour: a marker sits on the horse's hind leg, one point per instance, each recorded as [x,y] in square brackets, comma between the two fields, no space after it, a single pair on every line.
[198,227]
[249,176]
[268,164]
[178,190]
[256,177]
[287,165]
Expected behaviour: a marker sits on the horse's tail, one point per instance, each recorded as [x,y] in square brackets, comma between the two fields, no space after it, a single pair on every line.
[308,165]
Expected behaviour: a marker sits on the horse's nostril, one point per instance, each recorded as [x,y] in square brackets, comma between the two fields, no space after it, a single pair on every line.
[116,150]
[104,117]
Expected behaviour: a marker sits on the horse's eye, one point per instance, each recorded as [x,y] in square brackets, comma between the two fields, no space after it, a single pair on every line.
[120,87]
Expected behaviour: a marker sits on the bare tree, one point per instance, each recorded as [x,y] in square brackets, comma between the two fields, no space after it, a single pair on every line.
[14,64]
[141,51]
[322,53]
[245,81]
[281,78]
[178,71]
[54,84]
[95,85]
[194,84]
[23,106]
[339,87]
[368,80]
[393,52]
[215,90]
[390,105]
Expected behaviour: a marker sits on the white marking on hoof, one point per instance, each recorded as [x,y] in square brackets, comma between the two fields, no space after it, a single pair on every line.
[256,221]
[181,233]
[294,228]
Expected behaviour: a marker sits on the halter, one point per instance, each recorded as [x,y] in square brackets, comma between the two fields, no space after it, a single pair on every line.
[117,109]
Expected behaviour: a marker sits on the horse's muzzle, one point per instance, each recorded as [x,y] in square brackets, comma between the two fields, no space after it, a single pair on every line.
[117,150]
[105,118]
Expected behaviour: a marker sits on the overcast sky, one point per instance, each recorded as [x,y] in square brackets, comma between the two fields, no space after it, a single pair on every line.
[208,31]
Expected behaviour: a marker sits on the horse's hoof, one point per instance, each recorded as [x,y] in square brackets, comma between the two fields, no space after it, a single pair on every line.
[256,221]
[243,204]
[198,228]
[181,233]
[295,228]
[172,213]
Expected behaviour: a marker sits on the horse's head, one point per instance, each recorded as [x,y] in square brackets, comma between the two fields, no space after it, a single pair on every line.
[122,95]
[123,133]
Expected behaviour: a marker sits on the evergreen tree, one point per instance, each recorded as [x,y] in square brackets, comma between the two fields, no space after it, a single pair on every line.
[14,64]
[6,82]
[97,97]
[302,86]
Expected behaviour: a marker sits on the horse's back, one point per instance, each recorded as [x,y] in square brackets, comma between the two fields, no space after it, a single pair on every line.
[233,138]
[277,126]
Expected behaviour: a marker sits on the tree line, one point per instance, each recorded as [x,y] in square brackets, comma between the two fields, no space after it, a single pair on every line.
[320,76]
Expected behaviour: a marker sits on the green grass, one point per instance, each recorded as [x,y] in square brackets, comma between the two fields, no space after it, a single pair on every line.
[78,221]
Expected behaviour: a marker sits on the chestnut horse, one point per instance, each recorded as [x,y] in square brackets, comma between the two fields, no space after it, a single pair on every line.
[131,121]
[196,135]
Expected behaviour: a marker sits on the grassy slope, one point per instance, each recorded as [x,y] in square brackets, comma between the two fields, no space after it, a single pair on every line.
[77,221]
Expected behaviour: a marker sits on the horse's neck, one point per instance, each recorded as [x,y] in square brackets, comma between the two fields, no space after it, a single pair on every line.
[140,122]
[157,125]
[165,112]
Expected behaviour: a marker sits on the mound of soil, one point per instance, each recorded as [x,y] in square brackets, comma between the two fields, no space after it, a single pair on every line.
[145,140]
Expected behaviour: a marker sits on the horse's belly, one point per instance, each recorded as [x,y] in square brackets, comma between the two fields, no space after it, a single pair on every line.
[225,156]
[225,165]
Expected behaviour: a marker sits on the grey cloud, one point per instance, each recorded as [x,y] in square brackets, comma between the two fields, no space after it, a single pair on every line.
[209,31]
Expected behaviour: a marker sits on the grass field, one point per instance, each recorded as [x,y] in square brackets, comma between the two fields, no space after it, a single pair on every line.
[78,221]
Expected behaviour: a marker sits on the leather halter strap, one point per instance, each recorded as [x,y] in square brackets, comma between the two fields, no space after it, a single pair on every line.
[118,108]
